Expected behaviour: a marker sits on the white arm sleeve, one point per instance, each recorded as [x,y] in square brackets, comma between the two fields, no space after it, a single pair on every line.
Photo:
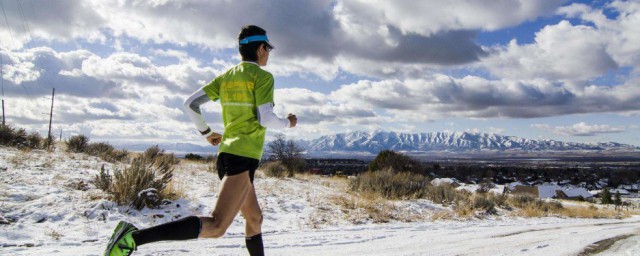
[192,109]
[268,119]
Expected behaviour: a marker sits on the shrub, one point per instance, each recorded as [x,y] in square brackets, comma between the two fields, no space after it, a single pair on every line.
[533,207]
[287,152]
[78,144]
[156,156]
[20,138]
[445,194]
[34,141]
[6,135]
[389,159]
[193,157]
[145,183]
[276,169]
[390,185]
[484,203]
[103,180]
[142,183]
[119,155]
[99,149]
[107,152]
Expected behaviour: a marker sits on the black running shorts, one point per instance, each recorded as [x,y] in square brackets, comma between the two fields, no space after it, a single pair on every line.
[229,164]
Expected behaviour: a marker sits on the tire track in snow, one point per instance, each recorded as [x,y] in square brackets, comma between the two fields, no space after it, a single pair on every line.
[563,227]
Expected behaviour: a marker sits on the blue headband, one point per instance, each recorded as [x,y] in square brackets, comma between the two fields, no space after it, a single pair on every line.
[250,39]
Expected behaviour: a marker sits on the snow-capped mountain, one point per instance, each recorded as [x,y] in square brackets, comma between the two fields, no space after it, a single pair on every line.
[376,141]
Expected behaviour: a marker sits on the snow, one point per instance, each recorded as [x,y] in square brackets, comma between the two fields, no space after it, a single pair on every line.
[443,181]
[52,213]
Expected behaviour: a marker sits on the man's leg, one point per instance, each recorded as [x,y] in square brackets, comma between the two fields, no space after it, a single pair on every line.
[253,224]
[232,195]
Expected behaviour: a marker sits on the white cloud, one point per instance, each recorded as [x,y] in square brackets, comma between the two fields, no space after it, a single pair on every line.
[574,53]
[560,52]
[580,129]
[435,16]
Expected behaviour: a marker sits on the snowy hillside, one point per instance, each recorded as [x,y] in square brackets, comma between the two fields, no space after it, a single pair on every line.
[375,141]
[48,206]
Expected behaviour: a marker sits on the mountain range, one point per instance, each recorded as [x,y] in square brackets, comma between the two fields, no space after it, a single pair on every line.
[361,143]
[376,141]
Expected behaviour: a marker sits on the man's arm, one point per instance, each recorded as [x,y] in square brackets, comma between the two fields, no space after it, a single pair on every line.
[192,109]
[268,119]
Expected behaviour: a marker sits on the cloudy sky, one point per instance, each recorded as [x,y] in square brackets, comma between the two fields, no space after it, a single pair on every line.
[564,70]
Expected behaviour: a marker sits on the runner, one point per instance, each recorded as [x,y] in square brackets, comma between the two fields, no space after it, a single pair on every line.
[246,95]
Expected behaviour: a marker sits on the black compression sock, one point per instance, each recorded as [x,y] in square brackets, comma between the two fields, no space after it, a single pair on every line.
[182,229]
[254,245]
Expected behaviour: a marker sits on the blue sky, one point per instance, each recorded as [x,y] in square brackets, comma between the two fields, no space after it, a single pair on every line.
[563,70]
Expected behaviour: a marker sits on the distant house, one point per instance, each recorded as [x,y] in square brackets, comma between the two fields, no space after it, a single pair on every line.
[574,194]
[553,191]
[548,191]
[511,186]
[629,188]
[623,192]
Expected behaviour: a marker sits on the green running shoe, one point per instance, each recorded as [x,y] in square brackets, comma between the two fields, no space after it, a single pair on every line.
[121,242]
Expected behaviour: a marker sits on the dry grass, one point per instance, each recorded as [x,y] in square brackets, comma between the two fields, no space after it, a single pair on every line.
[54,234]
[175,189]
[370,208]
[442,215]
[19,160]
[592,212]
[277,170]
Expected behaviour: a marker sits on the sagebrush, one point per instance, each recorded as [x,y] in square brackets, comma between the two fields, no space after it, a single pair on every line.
[144,183]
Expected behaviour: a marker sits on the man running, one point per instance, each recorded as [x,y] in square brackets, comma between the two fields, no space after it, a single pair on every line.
[246,95]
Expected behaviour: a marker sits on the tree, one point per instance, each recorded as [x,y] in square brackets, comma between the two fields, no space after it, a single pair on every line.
[287,152]
[617,201]
[605,197]
[398,162]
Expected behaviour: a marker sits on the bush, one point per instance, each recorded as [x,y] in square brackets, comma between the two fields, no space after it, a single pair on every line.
[389,159]
[193,157]
[276,169]
[78,144]
[390,185]
[534,207]
[34,141]
[103,181]
[445,194]
[287,152]
[20,138]
[145,181]
[157,156]
[107,152]
[6,135]
[119,155]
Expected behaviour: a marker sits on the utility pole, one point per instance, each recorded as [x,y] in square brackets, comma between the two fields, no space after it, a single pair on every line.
[2,81]
[3,108]
[51,115]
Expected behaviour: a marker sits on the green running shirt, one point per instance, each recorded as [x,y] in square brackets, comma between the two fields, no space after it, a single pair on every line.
[241,90]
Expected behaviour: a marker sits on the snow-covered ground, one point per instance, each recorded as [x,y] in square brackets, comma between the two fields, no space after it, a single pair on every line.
[53,209]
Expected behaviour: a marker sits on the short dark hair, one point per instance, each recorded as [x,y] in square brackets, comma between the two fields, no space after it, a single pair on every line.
[249,51]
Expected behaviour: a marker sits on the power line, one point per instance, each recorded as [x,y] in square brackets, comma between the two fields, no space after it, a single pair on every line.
[7,21]
[25,28]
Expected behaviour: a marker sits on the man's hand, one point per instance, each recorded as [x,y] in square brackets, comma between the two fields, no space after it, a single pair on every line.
[293,120]
[214,139]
